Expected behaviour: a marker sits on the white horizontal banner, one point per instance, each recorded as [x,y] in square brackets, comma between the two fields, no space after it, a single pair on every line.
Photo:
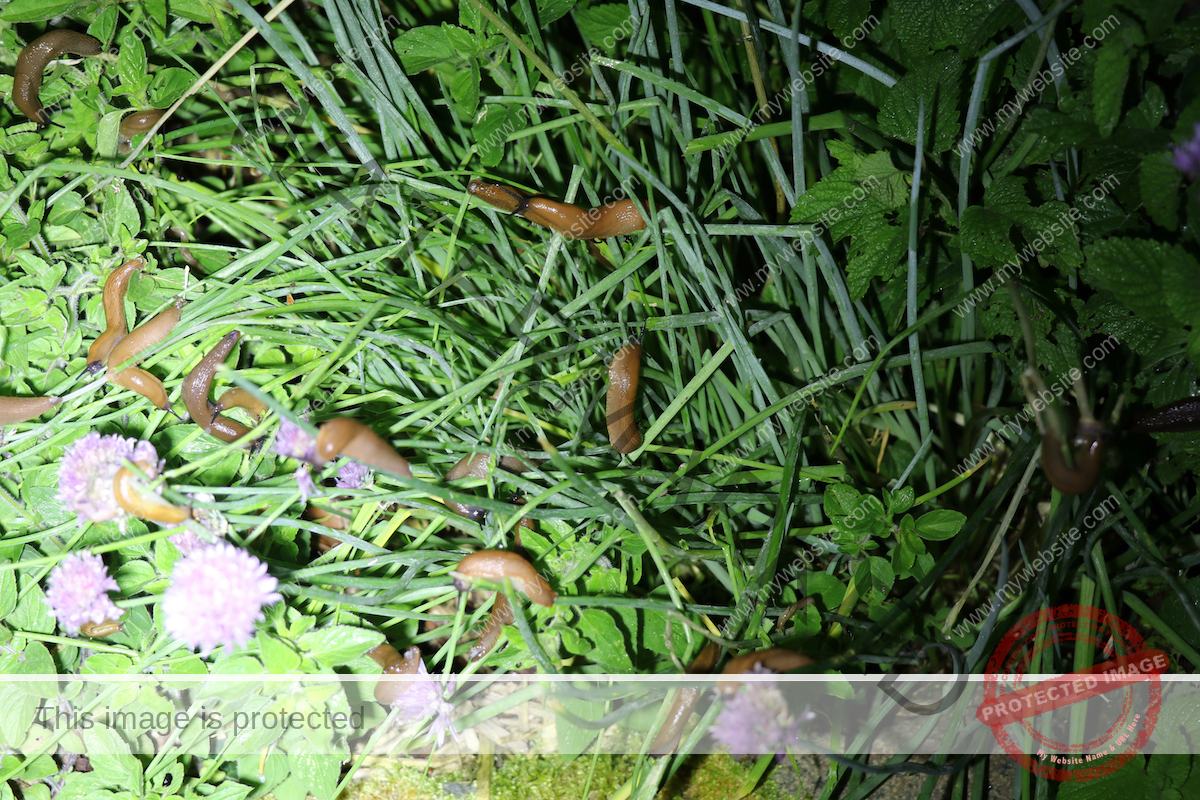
[1072,719]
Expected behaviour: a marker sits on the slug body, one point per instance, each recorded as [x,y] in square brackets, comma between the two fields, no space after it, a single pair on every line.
[1178,417]
[496,565]
[21,409]
[344,436]
[623,433]
[142,337]
[386,656]
[775,659]
[1089,445]
[31,67]
[603,222]
[115,325]
[502,614]
[145,506]
[681,707]
[479,465]
[237,397]
[98,630]
[136,123]
[195,393]
[569,220]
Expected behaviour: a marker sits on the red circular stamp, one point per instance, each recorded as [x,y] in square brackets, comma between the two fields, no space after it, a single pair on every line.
[1032,721]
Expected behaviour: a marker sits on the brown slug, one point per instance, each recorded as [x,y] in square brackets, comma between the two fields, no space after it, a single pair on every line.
[115,325]
[146,505]
[98,630]
[681,707]
[347,437]
[22,409]
[496,565]
[31,67]
[572,222]
[623,433]
[1178,417]
[775,659]
[501,615]
[134,124]
[196,387]
[140,338]
[1089,447]
[386,656]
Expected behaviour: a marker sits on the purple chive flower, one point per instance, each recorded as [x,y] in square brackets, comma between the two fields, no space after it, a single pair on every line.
[77,592]
[423,699]
[304,482]
[85,475]
[216,596]
[352,475]
[1187,155]
[292,441]
[756,720]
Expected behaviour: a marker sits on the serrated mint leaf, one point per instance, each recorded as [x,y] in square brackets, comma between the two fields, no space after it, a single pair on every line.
[339,644]
[423,47]
[1108,87]
[492,130]
[1133,270]
[605,25]
[936,81]
[1159,181]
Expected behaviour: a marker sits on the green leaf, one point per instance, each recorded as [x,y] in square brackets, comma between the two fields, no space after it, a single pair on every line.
[111,758]
[840,500]
[605,25]
[133,575]
[936,81]
[131,62]
[874,578]
[423,47]
[35,10]
[464,88]
[318,771]
[901,500]
[8,592]
[548,11]
[104,25]
[32,614]
[612,645]
[1134,269]
[1159,181]
[278,658]
[339,644]
[492,129]
[168,86]
[1108,88]
[1127,783]
[937,526]
[107,664]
